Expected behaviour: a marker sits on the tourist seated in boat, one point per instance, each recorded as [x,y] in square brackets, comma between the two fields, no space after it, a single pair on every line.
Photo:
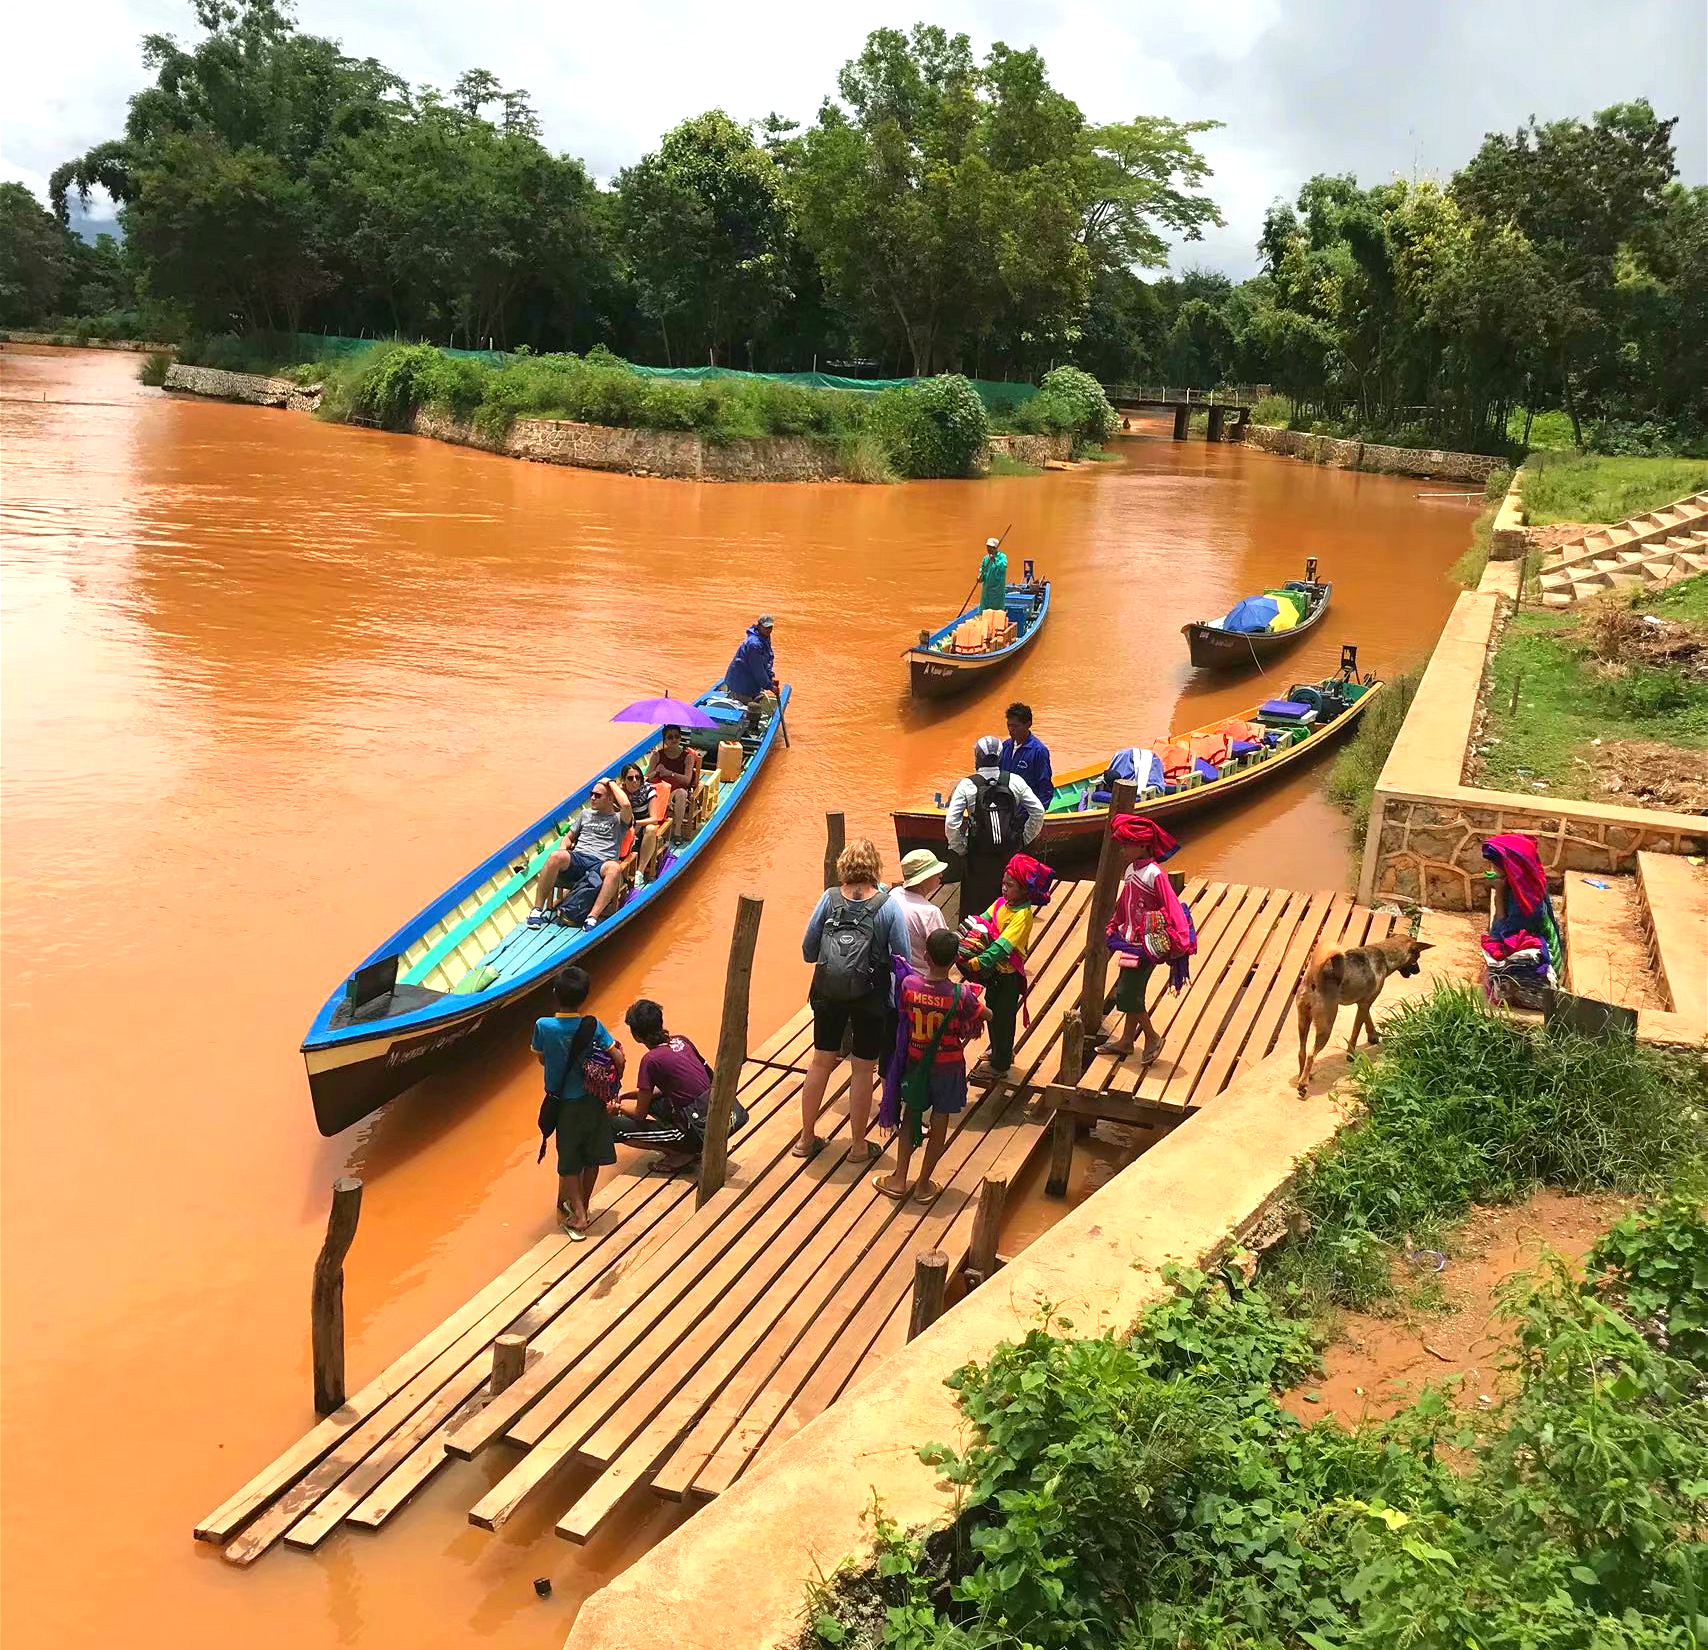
[753,671]
[921,877]
[589,859]
[675,766]
[993,577]
[990,814]
[666,1109]
[649,804]
[1025,754]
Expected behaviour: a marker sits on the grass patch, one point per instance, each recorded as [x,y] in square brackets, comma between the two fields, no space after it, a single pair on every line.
[1571,486]
[154,367]
[1465,1107]
[1351,781]
[1272,409]
[1565,701]
[1468,569]
[1687,600]
[1005,464]
[1551,429]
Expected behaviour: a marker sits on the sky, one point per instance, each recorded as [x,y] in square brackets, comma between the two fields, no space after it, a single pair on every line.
[1301,86]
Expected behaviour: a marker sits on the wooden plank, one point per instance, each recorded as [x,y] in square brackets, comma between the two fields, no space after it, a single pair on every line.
[1130,1109]
[835,1291]
[1277,1016]
[1274,914]
[231,1515]
[763,1145]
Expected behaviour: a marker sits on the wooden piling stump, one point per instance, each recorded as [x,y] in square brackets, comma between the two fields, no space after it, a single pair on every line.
[732,1046]
[987,1227]
[326,1301]
[1061,1153]
[835,840]
[930,1283]
[509,1358]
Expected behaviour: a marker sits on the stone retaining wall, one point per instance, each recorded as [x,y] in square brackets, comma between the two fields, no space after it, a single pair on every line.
[1507,539]
[67,340]
[1033,449]
[1427,826]
[247,387]
[1432,464]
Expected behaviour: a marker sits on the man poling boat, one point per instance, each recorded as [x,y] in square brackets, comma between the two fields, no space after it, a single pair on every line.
[989,633]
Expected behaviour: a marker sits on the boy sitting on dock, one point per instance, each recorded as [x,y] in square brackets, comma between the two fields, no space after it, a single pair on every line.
[585,1142]
[940,1016]
[673,1088]
[993,950]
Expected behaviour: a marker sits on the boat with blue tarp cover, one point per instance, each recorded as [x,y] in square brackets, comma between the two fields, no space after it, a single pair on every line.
[1256,628]
[968,648]
[1220,764]
[410,1004]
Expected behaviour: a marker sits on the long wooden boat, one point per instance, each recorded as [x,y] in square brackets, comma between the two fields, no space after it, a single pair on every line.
[1074,824]
[409,1005]
[935,671]
[1212,647]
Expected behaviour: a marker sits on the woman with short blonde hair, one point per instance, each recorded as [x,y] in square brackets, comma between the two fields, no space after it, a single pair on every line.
[854,938]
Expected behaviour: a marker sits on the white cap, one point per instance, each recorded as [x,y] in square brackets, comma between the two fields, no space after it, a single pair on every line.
[993,544]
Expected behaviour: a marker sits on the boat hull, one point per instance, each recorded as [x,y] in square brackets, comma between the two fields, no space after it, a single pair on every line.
[934,675]
[355,1067]
[1069,840]
[1213,648]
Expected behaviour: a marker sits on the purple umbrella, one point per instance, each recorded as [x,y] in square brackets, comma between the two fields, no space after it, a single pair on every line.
[661,711]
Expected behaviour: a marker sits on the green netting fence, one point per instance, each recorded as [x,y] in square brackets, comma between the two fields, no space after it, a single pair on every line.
[998,395]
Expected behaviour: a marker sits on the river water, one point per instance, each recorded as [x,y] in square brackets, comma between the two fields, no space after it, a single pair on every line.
[268,685]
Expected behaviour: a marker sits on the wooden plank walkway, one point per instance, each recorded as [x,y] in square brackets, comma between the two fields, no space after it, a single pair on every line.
[679,1345]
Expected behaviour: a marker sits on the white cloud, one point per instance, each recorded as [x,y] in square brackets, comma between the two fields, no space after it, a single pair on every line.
[1314,85]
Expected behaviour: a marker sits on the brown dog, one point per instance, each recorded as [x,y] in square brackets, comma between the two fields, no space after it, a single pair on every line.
[1356,976]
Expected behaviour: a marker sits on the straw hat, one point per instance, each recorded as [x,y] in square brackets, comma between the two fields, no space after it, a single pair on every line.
[920,866]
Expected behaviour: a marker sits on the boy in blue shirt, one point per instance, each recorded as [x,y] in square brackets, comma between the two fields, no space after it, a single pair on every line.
[1026,755]
[585,1140]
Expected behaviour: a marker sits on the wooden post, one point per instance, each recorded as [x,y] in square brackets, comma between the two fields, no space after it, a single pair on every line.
[1103,892]
[732,1046]
[987,1226]
[930,1281]
[835,840]
[1073,1048]
[1061,1153]
[509,1357]
[326,1304]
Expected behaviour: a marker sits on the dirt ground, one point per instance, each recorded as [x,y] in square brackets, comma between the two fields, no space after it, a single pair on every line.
[1553,536]
[1379,1365]
[1644,773]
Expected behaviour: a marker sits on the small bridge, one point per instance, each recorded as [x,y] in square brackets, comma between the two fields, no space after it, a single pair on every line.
[1184,402]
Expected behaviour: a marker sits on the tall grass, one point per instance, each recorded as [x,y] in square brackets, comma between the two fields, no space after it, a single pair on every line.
[1468,569]
[1464,1108]
[1352,780]
[1571,486]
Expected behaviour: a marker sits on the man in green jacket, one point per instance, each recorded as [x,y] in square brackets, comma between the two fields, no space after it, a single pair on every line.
[993,576]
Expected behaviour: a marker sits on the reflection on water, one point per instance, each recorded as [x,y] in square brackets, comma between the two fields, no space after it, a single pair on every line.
[270,684]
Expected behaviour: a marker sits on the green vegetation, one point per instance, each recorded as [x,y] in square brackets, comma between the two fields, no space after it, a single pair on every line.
[1352,779]
[153,368]
[1468,569]
[1002,465]
[1149,1492]
[1575,692]
[1583,487]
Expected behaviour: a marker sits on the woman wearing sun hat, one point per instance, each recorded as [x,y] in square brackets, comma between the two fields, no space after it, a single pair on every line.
[921,877]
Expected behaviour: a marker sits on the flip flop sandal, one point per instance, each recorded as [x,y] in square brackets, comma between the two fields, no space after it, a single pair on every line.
[890,1192]
[804,1150]
[928,1193]
[575,1234]
[1149,1058]
[866,1153]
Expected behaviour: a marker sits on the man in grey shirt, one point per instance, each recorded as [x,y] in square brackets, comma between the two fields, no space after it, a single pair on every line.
[594,847]
[992,815]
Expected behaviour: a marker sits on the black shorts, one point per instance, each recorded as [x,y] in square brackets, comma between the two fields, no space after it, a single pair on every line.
[869,1016]
[585,1139]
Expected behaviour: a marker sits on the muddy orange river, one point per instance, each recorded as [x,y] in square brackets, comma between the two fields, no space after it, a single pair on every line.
[269,685]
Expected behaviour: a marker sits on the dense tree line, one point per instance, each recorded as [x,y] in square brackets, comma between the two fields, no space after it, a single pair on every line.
[939,213]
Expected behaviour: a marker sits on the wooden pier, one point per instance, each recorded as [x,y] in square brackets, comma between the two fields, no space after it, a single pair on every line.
[679,1344]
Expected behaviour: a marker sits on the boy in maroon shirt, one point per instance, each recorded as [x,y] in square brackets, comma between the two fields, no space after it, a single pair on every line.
[936,1009]
[673,1084]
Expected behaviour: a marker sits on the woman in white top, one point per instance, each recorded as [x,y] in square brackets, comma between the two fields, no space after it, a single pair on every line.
[921,877]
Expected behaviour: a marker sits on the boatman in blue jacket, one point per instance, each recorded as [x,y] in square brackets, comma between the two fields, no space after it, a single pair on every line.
[753,670]
[1025,754]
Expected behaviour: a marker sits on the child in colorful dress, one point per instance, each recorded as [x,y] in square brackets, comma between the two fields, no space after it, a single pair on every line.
[994,944]
[1148,925]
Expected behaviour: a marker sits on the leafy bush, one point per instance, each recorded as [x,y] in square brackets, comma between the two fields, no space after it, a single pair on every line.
[1469,1108]
[1069,402]
[1150,1493]
[1644,692]
[153,368]
[1653,1266]
[935,428]
[1272,409]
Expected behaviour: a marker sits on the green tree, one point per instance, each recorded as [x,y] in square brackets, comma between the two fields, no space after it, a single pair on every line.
[706,228]
[34,261]
[1144,177]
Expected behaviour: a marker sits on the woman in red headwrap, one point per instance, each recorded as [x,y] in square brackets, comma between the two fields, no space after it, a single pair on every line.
[994,945]
[1149,926]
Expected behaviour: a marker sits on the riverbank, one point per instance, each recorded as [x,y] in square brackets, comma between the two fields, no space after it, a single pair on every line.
[1429,464]
[686,455]
[70,340]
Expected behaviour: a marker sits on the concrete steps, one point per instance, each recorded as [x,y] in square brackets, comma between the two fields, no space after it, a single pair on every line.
[1648,552]
[1607,944]
[1673,908]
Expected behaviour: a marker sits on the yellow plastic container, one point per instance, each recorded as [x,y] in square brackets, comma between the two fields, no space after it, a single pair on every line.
[729,760]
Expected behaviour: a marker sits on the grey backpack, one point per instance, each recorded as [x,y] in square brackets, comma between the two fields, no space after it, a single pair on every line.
[848,960]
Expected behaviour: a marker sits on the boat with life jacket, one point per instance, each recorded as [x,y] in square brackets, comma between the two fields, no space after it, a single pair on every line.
[1220,764]
[1258,627]
[961,653]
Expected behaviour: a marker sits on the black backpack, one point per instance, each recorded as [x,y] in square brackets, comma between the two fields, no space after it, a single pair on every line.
[996,822]
[848,949]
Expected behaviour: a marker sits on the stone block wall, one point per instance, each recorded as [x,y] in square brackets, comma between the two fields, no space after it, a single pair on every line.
[230,386]
[1431,464]
[1507,540]
[1033,449]
[1430,852]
